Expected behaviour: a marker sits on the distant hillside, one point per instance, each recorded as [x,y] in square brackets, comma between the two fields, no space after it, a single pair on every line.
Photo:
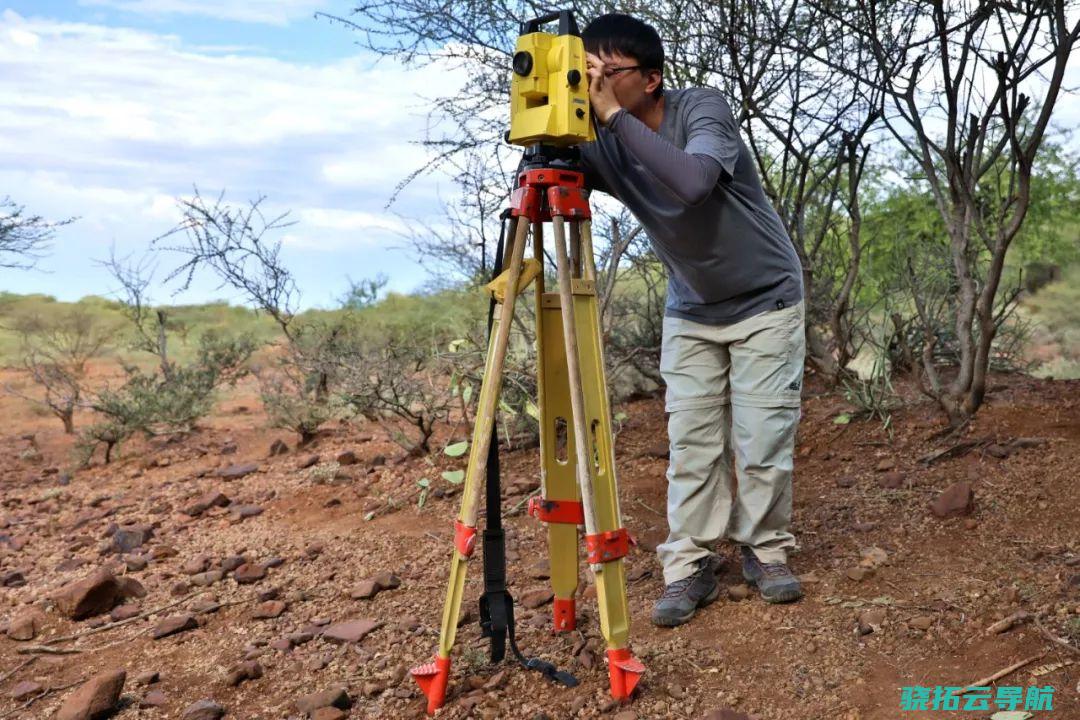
[1054,312]
[452,310]
[188,322]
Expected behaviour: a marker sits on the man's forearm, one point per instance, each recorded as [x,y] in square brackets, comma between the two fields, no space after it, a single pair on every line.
[689,177]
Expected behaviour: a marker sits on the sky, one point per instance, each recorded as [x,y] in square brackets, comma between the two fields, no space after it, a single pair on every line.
[112,109]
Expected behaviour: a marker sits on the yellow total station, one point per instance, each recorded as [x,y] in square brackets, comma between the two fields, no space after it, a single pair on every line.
[549,93]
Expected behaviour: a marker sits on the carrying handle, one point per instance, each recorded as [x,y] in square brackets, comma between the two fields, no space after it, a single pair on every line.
[567,24]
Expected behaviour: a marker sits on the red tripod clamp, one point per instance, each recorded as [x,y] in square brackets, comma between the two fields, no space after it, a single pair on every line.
[543,193]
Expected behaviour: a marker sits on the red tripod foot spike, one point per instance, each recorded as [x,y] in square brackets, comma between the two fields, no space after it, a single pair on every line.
[624,671]
[432,678]
[565,619]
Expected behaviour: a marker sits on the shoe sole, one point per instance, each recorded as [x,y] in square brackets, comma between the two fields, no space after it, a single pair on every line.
[783,596]
[683,619]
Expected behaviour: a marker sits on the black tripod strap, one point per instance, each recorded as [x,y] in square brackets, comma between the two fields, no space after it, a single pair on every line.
[496,604]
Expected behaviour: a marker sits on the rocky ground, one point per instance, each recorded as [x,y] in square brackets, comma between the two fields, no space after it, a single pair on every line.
[233,574]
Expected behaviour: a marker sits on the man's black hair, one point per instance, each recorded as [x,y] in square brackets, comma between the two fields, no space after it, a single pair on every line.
[626,35]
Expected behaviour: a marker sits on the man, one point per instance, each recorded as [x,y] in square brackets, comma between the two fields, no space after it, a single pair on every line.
[733,343]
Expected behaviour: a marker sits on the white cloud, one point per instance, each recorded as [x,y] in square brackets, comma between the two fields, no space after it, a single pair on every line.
[110,124]
[272,12]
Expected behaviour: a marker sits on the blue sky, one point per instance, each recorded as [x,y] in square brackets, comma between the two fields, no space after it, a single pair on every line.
[111,109]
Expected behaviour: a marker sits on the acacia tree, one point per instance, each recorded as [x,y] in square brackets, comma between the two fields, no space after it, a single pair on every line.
[236,243]
[969,89]
[55,352]
[24,238]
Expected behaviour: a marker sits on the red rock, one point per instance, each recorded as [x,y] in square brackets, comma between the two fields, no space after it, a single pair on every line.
[387,580]
[334,697]
[205,502]
[124,612]
[95,698]
[26,625]
[12,578]
[208,578]
[870,620]
[247,670]
[347,458]
[147,677]
[249,573]
[892,480]
[153,699]
[536,598]
[726,714]
[163,551]
[371,587]
[242,512]
[25,689]
[95,594]
[130,587]
[328,713]
[175,624]
[269,610]
[71,563]
[278,447]
[309,461]
[130,537]
[197,565]
[204,606]
[738,592]
[350,632]
[232,562]
[203,710]
[956,500]
[235,472]
[273,593]
[366,590]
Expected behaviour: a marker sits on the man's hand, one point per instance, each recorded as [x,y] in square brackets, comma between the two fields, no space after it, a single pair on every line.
[601,94]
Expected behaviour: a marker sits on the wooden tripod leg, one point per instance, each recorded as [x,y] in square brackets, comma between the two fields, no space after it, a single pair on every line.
[560,503]
[432,677]
[606,540]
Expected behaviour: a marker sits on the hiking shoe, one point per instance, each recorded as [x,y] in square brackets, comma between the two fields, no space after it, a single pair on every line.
[775,581]
[682,598]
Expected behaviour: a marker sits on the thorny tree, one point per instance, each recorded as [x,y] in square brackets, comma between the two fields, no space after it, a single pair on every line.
[55,352]
[969,88]
[235,244]
[24,238]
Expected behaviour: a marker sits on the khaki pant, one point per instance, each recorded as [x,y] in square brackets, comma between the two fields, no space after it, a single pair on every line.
[733,393]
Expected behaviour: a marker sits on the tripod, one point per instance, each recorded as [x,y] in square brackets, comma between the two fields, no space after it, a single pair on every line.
[578,483]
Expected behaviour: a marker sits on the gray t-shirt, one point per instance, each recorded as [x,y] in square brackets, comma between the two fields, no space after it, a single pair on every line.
[727,254]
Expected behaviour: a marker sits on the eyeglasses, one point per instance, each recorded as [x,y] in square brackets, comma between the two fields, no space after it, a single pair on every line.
[613,71]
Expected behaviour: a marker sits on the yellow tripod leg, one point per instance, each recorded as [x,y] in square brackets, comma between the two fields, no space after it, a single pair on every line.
[433,677]
[559,505]
[606,540]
